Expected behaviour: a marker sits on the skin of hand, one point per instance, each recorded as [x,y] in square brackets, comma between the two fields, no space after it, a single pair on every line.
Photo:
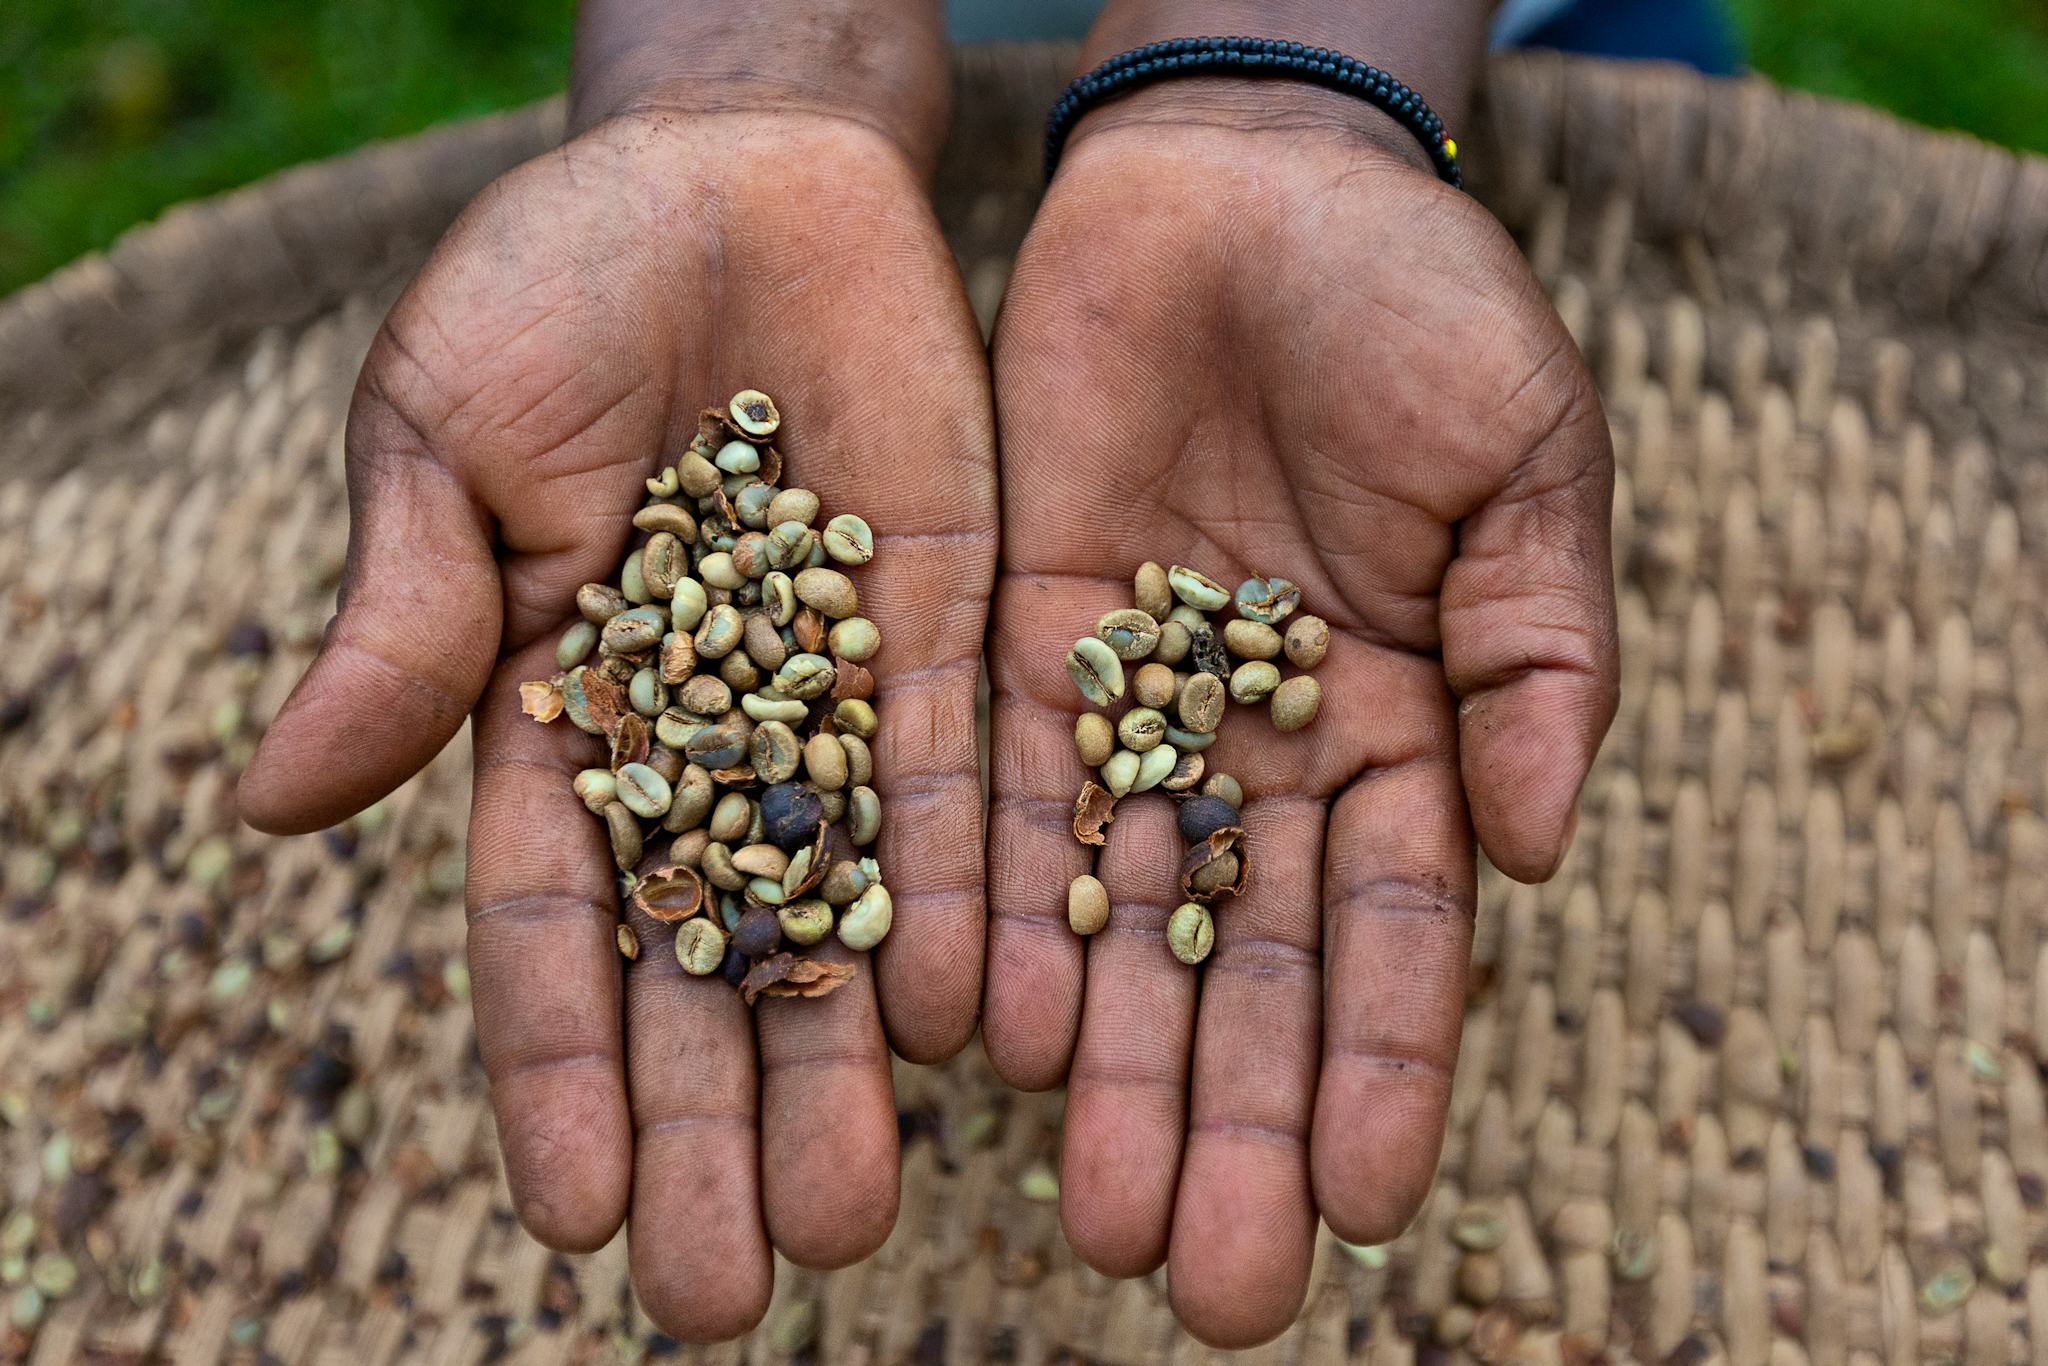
[1252,333]
[763,222]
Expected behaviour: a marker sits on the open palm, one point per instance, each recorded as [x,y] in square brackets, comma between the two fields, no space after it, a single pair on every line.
[1283,352]
[553,353]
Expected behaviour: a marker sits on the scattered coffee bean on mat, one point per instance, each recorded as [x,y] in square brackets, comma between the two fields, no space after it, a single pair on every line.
[726,673]
[1189,669]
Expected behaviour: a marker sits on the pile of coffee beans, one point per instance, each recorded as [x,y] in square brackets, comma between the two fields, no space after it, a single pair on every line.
[1189,669]
[726,671]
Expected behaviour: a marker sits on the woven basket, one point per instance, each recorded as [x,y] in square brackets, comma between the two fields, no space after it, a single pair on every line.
[1755,1079]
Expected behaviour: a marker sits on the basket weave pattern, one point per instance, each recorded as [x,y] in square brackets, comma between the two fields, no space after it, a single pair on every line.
[1758,1077]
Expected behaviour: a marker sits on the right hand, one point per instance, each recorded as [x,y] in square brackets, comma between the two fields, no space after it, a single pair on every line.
[552,354]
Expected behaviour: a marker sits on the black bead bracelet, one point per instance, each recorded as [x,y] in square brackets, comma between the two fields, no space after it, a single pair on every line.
[1140,66]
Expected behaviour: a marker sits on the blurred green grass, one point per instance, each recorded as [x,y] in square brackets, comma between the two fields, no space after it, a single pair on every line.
[112,111]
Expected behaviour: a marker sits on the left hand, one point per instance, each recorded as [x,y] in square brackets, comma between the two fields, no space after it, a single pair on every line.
[1285,349]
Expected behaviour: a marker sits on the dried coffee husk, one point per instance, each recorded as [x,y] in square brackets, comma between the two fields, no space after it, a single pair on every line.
[1218,866]
[542,701]
[631,741]
[784,974]
[853,681]
[1094,809]
[670,894]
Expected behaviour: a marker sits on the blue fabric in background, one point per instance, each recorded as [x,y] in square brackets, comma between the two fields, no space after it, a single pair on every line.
[1695,32]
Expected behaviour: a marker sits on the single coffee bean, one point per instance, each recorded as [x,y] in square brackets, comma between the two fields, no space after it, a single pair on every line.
[697,475]
[1254,681]
[1120,771]
[753,414]
[1201,704]
[716,863]
[753,556]
[678,657]
[1151,593]
[1197,589]
[664,563]
[1267,601]
[630,632]
[1152,685]
[617,668]
[1094,738]
[737,457]
[694,794]
[688,605]
[644,792]
[859,760]
[1211,874]
[676,521]
[1087,904]
[856,717]
[576,644]
[828,590]
[1191,933]
[719,746]
[624,829]
[669,764]
[807,630]
[806,676]
[720,570]
[628,942]
[1201,817]
[778,598]
[789,545]
[647,694]
[764,644]
[863,815]
[1187,741]
[596,788]
[1141,729]
[770,705]
[790,815]
[675,727]
[866,922]
[1187,616]
[687,849]
[1096,671]
[793,505]
[1129,632]
[630,582]
[848,540]
[737,672]
[1225,788]
[1208,654]
[775,751]
[600,602]
[705,695]
[805,921]
[761,860]
[1153,767]
[1187,771]
[855,640]
[843,881]
[1296,702]
[825,762]
[700,946]
[1175,640]
[759,933]
[1251,639]
[664,484]
[730,817]
[1308,640]
[719,633]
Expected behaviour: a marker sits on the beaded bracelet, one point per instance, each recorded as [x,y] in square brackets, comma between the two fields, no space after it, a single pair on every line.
[1252,57]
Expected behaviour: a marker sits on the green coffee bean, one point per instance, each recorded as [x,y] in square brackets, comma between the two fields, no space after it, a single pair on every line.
[1153,686]
[644,792]
[716,862]
[793,505]
[1153,767]
[576,644]
[1254,681]
[806,921]
[766,891]
[1189,742]
[855,640]
[1096,671]
[750,557]
[764,643]
[1151,593]
[778,597]
[1251,639]
[700,946]
[738,457]
[1119,771]
[631,632]
[720,570]
[1267,601]
[789,545]
[1201,703]
[1141,730]
[719,633]
[721,746]
[806,676]
[1308,640]
[1087,904]
[1129,632]
[866,923]
[857,718]
[697,475]
[631,583]
[1187,771]
[825,762]
[848,540]
[761,860]
[843,882]
[1188,617]
[737,672]
[686,608]
[828,590]
[675,727]
[1175,641]
[752,505]
[770,705]
[1197,589]
[596,788]
[647,694]
[860,760]
[863,815]
[1094,738]
[775,751]
[600,602]
[1296,702]
[1191,933]
[676,521]
[1224,786]
[623,827]
[694,794]
[705,695]
[664,563]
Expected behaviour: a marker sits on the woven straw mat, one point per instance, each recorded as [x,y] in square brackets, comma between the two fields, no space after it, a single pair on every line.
[1756,1078]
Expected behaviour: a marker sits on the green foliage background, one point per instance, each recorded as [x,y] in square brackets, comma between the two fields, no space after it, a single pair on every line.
[112,110]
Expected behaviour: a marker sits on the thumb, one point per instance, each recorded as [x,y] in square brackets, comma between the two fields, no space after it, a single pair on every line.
[1529,642]
[412,646]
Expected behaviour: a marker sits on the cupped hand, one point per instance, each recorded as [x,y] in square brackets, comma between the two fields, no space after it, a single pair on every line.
[1282,350]
[552,355]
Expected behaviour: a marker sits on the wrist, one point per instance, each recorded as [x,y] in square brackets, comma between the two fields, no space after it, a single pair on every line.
[881,63]
[1436,49]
